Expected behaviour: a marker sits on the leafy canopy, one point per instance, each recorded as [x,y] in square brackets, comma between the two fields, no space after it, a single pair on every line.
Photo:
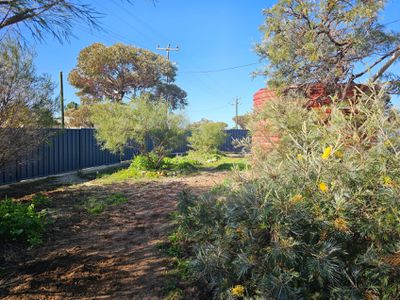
[111,73]
[26,103]
[325,41]
[208,136]
[139,121]
[45,16]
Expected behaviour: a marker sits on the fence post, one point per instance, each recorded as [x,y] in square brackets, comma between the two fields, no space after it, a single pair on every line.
[79,149]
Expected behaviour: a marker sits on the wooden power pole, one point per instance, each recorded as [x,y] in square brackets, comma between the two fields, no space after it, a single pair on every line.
[62,100]
[236,104]
[168,49]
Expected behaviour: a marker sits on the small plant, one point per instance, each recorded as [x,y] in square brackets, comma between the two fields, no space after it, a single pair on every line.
[149,162]
[96,205]
[20,222]
[40,200]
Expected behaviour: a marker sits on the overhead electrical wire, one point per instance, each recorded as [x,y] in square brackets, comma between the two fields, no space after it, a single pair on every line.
[219,70]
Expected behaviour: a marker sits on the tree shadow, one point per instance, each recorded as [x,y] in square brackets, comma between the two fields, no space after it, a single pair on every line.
[112,255]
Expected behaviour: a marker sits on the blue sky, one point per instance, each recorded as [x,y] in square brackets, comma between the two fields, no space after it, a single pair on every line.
[211,34]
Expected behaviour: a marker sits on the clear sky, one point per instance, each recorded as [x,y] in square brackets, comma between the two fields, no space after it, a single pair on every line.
[211,34]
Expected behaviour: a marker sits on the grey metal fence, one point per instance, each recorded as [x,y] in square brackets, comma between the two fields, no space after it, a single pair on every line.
[75,149]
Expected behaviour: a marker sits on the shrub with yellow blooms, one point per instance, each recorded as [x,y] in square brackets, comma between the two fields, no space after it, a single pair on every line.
[319,220]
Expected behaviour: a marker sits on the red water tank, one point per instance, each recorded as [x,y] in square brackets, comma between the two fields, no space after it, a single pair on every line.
[262,139]
[317,96]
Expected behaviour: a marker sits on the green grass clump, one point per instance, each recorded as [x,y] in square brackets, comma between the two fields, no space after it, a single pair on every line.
[96,205]
[22,222]
[145,167]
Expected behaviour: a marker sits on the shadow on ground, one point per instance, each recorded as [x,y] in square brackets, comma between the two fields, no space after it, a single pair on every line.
[110,256]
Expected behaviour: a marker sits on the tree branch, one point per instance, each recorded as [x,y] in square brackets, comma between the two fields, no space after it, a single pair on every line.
[386,66]
[393,52]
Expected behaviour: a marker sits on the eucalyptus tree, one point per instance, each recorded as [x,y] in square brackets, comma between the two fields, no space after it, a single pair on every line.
[331,42]
[110,73]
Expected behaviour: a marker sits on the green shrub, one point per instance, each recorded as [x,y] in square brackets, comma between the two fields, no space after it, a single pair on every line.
[149,162]
[321,218]
[20,222]
[208,137]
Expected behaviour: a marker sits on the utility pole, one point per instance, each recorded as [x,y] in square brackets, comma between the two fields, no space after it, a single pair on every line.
[62,100]
[236,104]
[168,49]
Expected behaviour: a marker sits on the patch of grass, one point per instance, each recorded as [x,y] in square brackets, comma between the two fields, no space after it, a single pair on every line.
[128,174]
[142,167]
[240,166]
[96,205]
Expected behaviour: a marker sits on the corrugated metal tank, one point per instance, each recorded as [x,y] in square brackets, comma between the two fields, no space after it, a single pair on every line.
[318,97]
[262,139]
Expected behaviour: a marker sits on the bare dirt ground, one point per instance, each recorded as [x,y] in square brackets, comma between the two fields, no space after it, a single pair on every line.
[113,255]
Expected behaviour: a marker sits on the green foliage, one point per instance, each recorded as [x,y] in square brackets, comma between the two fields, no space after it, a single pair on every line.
[182,164]
[140,120]
[78,116]
[129,174]
[96,205]
[21,222]
[208,137]
[146,162]
[144,167]
[40,200]
[151,162]
[38,17]
[323,41]
[109,73]
[243,120]
[320,220]
[26,103]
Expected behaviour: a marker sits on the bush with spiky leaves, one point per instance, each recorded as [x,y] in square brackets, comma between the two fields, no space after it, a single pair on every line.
[321,219]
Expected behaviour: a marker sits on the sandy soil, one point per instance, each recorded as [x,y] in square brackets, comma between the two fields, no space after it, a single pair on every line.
[110,256]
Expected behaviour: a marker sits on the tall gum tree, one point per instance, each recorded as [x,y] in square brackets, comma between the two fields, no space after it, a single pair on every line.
[110,73]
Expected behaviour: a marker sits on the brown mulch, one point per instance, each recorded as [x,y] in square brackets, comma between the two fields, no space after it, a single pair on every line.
[110,256]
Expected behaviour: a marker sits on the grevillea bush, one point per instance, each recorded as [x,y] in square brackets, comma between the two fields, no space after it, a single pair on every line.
[319,220]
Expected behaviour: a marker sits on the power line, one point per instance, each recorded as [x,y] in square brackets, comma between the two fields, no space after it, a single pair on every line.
[219,70]
[168,49]
[391,22]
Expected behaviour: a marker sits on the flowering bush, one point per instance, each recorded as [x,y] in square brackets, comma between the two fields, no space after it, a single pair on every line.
[321,218]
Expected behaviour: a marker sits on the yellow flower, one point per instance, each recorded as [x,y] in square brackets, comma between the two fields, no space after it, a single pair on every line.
[327,152]
[323,187]
[341,224]
[300,157]
[237,291]
[338,154]
[297,198]
[388,181]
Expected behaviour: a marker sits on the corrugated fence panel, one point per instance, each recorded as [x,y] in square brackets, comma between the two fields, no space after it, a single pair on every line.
[233,134]
[74,149]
